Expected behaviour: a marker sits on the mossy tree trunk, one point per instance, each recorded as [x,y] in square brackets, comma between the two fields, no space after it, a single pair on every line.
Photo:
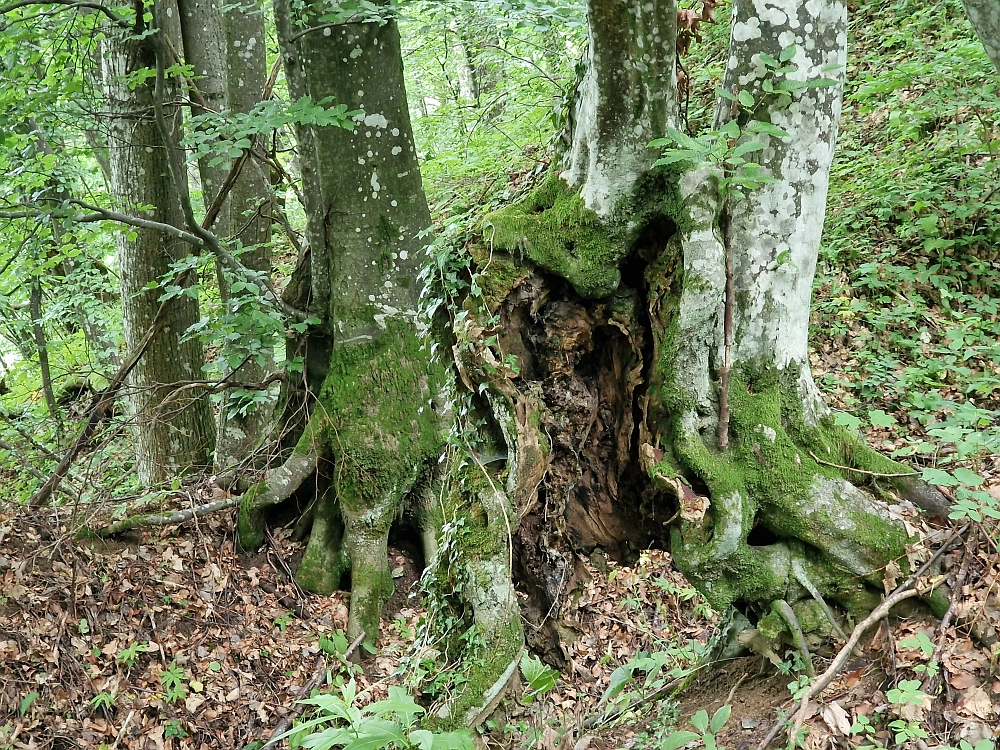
[374,429]
[608,286]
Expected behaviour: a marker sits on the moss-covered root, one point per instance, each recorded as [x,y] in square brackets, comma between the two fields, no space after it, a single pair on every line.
[371,580]
[278,485]
[323,563]
[490,591]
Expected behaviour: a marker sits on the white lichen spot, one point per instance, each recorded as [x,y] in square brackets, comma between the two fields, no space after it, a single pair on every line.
[744,31]
[356,53]
[361,92]
[170,12]
[376,120]
[395,132]
[370,154]
[327,31]
[396,150]
[361,160]
[375,184]
[403,255]
[393,204]
[371,297]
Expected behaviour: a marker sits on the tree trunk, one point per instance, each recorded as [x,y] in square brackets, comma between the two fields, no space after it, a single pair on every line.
[609,286]
[985,18]
[375,425]
[250,213]
[173,432]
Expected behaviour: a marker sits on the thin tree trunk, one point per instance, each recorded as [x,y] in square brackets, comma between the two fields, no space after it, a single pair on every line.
[178,437]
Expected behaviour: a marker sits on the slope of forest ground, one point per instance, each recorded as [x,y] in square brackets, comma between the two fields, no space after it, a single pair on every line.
[170,638]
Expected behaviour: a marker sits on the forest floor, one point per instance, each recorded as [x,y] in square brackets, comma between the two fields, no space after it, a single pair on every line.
[172,639]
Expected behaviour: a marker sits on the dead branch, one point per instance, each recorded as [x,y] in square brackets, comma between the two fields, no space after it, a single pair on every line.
[167,519]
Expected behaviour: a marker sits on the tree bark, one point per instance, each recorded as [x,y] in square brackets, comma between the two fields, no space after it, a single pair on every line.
[366,217]
[985,18]
[178,437]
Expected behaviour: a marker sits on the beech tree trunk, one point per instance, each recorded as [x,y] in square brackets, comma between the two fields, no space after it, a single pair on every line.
[608,287]
[985,18]
[231,77]
[375,428]
[173,429]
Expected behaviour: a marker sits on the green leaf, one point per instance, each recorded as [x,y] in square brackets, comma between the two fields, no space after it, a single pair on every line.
[787,53]
[541,678]
[720,718]
[722,93]
[677,740]
[843,419]
[26,703]
[766,128]
[938,477]
[730,130]
[768,60]
[967,477]
[746,99]
[700,721]
[879,418]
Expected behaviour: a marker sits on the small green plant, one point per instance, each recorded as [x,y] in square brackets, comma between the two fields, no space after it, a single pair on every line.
[172,680]
[128,655]
[26,703]
[707,730]
[908,692]
[921,642]
[540,677]
[174,728]
[281,623]
[103,700]
[392,723]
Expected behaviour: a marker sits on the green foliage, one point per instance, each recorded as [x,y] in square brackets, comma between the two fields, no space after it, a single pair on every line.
[339,721]
[172,681]
[540,677]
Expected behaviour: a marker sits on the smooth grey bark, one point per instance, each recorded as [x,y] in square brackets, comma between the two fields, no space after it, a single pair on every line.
[984,15]
[250,203]
[172,434]
[203,30]
[366,217]
[231,76]
[627,98]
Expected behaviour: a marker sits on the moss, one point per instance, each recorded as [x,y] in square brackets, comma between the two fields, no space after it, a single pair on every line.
[765,479]
[250,520]
[483,668]
[376,399]
[553,228]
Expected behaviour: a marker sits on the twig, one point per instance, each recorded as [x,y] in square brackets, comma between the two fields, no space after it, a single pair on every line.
[319,675]
[867,473]
[963,572]
[227,185]
[901,593]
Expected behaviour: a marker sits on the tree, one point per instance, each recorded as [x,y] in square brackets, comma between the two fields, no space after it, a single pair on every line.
[373,430]
[639,345]
[173,430]
[985,18]
[231,77]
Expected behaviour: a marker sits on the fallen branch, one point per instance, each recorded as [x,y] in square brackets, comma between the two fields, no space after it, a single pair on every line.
[867,473]
[319,676]
[167,519]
